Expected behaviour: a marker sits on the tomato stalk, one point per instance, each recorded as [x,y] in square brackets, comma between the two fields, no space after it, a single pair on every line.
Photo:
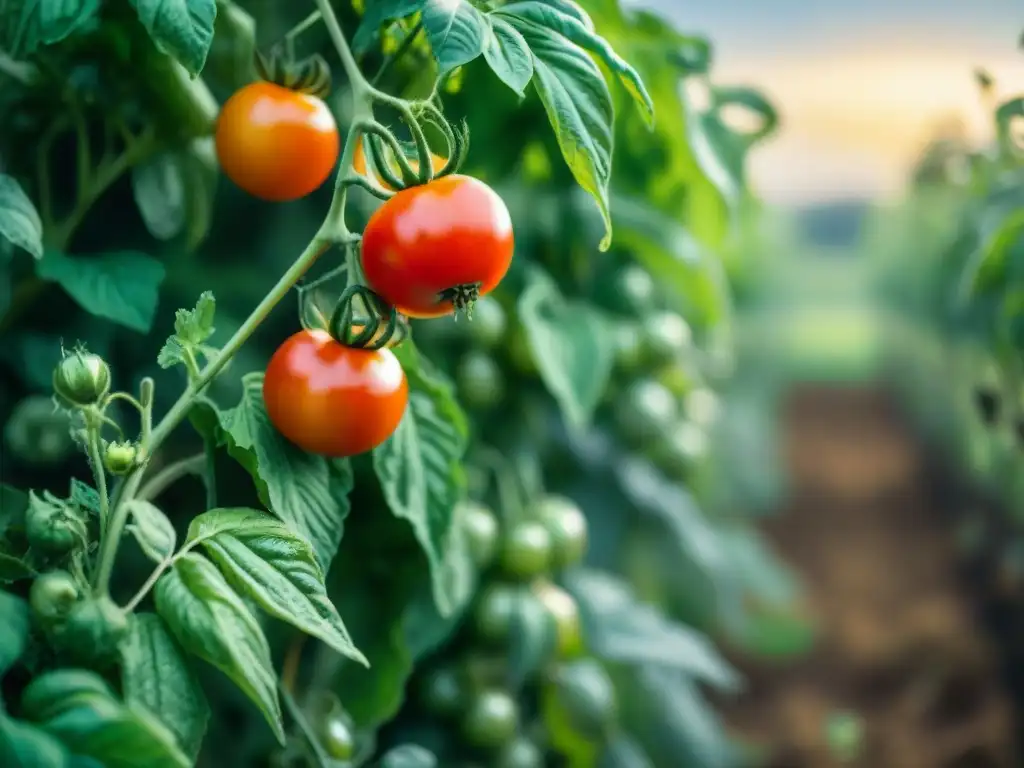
[333,230]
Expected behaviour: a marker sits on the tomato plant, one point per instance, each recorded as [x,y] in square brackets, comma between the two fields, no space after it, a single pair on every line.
[397,519]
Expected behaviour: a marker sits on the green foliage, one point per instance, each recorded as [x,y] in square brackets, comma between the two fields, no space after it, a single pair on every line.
[123,287]
[250,571]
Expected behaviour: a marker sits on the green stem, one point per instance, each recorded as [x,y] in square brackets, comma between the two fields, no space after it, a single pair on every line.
[331,231]
[399,53]
[148,585]
[162,480]
[96,460]
[320,759]
[210,473]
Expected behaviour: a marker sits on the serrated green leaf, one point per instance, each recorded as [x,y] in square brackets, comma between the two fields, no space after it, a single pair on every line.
[420,470]
[579,108]
[24,26]
[85,497]
[210,621]
[264,560]
[156,675]
[182,28]
[80,710]
[619,628]
[377,13]
[19,220]
[310,493]
[14,627]
[152,530]
[508,55]
[456,31]
[573,28]
[192,327]
[123,287]
[569,342]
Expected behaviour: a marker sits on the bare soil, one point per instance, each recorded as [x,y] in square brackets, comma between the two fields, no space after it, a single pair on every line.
[904,642]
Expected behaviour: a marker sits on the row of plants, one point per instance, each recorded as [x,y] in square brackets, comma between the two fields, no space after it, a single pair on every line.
[438,504]
[945,265]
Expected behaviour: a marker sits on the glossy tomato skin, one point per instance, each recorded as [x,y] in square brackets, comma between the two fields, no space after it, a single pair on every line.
[359,165]
[454,231]
[275,143]
[331,399]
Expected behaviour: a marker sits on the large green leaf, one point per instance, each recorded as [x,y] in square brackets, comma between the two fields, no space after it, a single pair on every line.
[508,55]
[310,493]
[26,25]
[123,287]
[19,220]
[264,560]
[420,469]
[155,674]
[80,710]
[579,107]
[570,345]
[456,30]
[675,259]
[575,27]
[13,629]
[212,622]
[182,28]
[621,629]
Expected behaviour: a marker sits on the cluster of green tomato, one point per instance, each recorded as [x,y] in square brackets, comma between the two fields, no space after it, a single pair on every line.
[656,402]
[479,686]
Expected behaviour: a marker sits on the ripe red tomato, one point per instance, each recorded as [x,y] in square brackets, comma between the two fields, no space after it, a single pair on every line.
[275,143]
[359,165]
[331,399]
[430,244]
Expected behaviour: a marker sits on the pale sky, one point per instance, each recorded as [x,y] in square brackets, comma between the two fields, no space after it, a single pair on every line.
[860,84]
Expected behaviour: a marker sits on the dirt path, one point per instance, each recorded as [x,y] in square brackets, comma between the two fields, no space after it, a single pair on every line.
[900,643]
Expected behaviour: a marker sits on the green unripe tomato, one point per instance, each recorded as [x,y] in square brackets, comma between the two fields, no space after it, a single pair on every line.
[644,410]
[38,433]
[442,692]
[81,378]
[526,550]
[563,609]
[481,527]
[587,696]
[491,720]
[494,612]
[92,632]
[702,406]
[488,323]
[51,526]
[520,353]
[629,347]
[683,446]
[633,290]
[52,595]
[336,737]
[120,458]
[666,336]
[521,753]
[567,527]
[479,380]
